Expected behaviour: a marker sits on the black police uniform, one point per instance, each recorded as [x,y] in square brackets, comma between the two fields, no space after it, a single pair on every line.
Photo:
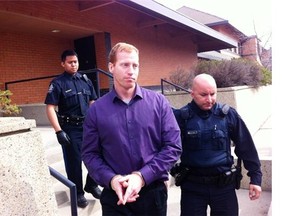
[72,93]
[207,160]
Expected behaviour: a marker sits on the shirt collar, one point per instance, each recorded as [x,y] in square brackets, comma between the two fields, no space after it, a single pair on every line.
[75,76]
[138,93]
[200,112]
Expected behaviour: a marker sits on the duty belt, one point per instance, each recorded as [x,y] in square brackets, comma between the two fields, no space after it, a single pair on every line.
[73,120]
[204,179]
[223,179]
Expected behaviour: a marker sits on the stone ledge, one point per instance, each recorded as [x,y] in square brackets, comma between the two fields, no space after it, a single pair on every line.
[25,179]
[266,167]
[12,124]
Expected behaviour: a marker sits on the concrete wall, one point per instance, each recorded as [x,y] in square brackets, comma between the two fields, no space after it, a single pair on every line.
[253,105]
[35,111]
[25,183]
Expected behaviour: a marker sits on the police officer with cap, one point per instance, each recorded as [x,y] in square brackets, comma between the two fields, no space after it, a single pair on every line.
[206,173]
[72,93]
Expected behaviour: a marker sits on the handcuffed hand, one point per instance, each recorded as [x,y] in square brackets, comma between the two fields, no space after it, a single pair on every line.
[127,187]
[63,138]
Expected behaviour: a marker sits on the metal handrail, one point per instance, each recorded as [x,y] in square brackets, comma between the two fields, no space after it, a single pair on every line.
[27,80]
[70,185]
[96,70]
[175,85]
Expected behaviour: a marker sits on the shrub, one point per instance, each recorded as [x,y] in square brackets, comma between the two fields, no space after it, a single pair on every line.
[267,76]
[228,73]
[182,78]
[5,104]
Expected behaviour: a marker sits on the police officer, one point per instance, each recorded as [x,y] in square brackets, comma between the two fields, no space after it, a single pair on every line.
[72,93]
[208,176]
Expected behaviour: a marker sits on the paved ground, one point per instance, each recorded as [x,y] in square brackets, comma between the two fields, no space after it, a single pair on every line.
[247,208]
[261,207]
[258,207]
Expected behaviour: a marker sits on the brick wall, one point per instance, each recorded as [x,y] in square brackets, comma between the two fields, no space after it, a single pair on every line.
[25,56]
[30,55]
[250,49]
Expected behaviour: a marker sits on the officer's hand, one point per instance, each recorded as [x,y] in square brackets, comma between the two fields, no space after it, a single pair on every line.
[63,138]
[254,191]
[176,169]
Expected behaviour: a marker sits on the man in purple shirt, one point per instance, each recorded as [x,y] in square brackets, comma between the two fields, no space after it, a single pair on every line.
[131,140]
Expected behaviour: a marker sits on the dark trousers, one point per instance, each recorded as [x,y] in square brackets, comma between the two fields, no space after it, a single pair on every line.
[151,202]
[196,197]
[72,158]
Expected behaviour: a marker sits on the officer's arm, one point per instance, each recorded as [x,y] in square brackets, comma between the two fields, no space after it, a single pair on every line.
[51,114]
[62,137]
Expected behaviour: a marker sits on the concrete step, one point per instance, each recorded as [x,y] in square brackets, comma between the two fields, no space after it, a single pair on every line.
[54,156]
[62,194]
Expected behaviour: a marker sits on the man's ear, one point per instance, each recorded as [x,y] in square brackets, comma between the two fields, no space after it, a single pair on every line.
[110,67]
[62,64]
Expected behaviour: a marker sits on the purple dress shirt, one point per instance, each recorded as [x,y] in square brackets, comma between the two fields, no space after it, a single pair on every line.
[120,138]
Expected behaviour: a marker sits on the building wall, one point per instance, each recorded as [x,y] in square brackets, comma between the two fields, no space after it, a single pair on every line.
[250,49]
[26,56]
[31,55]
[226,31]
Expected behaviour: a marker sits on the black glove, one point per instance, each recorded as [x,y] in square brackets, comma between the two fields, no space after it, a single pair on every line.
[63,138]
[175,169]
[179,172]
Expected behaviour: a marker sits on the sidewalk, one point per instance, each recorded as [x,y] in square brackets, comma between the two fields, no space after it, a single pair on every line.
[247,207]
[54,157]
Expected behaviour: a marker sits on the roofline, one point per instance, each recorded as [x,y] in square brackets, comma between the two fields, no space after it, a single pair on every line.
[164,13]
[218,23]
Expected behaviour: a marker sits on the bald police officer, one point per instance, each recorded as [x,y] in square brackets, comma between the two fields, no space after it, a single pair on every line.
[208,176]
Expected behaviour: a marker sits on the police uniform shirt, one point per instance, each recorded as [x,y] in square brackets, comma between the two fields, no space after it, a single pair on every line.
[71,93]
[239,134]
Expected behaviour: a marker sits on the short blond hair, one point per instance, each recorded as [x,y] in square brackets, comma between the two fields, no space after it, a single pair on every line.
[119,47]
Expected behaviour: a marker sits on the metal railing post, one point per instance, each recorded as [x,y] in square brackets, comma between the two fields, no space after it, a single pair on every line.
[70,185]
[175,85]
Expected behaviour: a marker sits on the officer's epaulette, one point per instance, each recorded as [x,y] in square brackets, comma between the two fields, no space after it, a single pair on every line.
[85,77]
[186,112]
[222,110]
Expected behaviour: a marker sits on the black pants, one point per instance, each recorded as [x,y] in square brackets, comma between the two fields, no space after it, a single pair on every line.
[72,158]
[196,197]
[151,202]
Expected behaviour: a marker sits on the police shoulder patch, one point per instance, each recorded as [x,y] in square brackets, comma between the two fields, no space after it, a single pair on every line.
[51,87]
